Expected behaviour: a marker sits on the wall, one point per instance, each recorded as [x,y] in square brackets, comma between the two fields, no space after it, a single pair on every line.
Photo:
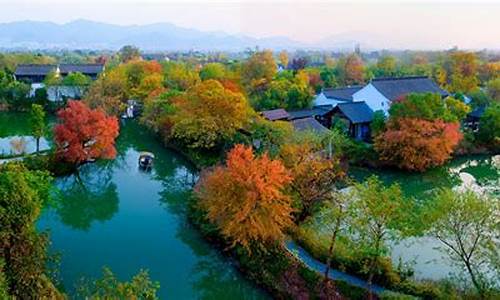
[373,98]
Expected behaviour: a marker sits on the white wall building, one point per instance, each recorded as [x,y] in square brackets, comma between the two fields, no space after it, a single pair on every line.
[380,93]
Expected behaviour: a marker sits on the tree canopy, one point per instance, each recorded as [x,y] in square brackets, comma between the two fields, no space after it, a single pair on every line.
[246,199]
[83,134]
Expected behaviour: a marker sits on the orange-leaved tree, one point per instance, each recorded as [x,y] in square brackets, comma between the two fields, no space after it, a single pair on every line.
[314,175]
[83,133]
[417,144]
[245,198]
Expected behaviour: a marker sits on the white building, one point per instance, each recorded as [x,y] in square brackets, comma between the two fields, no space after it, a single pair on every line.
[333,96]
[380,93]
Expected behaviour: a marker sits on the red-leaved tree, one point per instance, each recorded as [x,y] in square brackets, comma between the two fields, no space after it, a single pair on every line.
[416,144]
[83,133]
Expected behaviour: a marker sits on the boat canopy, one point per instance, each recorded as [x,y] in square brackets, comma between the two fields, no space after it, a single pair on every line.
[146,154]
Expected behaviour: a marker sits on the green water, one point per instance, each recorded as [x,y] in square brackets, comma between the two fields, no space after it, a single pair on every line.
[117,216]
[114,215]
[480,173]
[15,126]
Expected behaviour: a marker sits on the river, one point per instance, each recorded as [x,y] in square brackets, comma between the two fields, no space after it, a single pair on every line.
[117,216]
[480,173]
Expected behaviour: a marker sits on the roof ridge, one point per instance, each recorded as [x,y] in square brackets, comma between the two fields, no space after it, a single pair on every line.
[342,87]
[400,78]
[351,102]
[36,65]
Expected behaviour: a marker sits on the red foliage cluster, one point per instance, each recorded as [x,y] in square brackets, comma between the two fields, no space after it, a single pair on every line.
[416,145]
[84,134]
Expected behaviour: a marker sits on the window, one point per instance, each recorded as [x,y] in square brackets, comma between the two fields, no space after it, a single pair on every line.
[382,103]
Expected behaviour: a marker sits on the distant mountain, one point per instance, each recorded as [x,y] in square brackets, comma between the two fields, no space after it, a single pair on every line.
[84,34]
[348,40]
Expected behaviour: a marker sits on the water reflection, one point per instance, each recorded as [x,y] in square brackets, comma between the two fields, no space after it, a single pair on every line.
[80,203]
[113,214]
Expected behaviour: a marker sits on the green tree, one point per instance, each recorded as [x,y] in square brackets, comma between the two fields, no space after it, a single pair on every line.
[157,112]
[386,66]
[378,124]
[41,97]
[493,88]
[336,214]
[464,70]
[180,76]
[109,287]
[468,227]
[258,71]
[128,53]
[479,98]
[215,71]
[52,79]
[22,195]
[37,123]
[428,107]
[291,93]
[76,79]
[18,95]
[378,210]
[489,126]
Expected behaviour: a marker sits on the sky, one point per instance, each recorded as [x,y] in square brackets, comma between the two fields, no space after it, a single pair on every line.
[403,23]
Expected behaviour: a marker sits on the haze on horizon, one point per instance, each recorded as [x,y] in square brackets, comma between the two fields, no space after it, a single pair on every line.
[403,24]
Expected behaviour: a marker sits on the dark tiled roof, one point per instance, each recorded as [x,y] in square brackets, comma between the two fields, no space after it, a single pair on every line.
[306,113]
[275,114]
[393,88]
[309,124]
[356,112]
[83,68]
[33,70]
[42,70]
[478,112]
[343,93]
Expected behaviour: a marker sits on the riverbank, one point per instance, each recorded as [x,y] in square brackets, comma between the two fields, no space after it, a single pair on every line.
[112,211]
[277,270]
[414,265]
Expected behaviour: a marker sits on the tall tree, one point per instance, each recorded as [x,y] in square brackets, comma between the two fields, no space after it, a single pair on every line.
[464,72]
[258,71]
[314,176]
[23,193]
[467,225]
[336,214]
[128,53]
[83,134]
[209,114]
[386,66]
[493,88]
[180,76]
[246,199]
[37,123]
[284,58]
[215,71]
[377,210]
[489,127]
[354,69]
[109,92]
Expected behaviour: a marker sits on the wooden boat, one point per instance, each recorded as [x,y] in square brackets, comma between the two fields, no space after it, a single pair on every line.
[146,160]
